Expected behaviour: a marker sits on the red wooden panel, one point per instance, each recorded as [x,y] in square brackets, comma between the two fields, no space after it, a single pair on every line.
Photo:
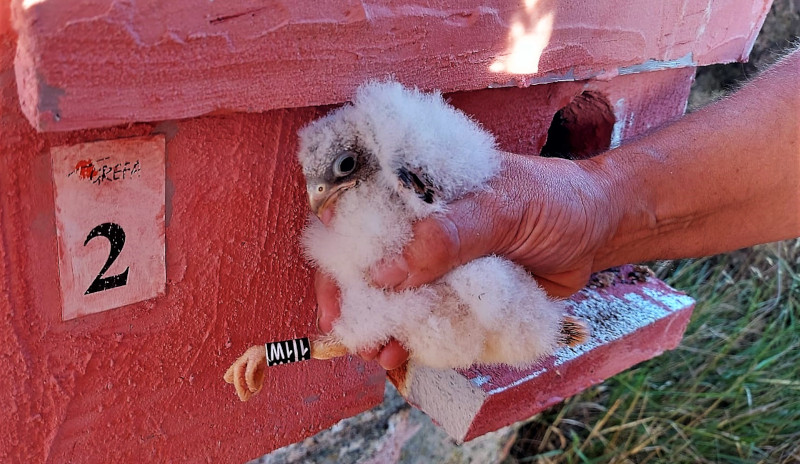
[144,382]
[167,60]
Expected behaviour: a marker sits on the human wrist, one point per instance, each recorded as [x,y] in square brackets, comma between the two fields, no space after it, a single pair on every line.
[629,206]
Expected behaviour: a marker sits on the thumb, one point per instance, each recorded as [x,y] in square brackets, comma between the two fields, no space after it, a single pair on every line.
[440,243]
[565,284]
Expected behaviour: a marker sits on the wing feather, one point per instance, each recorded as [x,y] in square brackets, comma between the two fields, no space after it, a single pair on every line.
[419,184]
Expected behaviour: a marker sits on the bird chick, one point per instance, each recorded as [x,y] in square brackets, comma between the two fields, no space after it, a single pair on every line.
[373,167]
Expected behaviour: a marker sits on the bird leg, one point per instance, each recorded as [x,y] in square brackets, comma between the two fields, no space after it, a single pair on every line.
[327,347]
[247,373]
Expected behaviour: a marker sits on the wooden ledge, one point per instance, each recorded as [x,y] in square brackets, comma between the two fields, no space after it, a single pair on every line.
[99,63]
[633,318]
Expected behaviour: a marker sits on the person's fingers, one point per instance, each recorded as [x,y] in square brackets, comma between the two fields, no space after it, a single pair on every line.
[444,242]
[443,246]
[393,355]
[564,284]
[441,243]
[555,289]
[370,354]
[477,225]
[328,309]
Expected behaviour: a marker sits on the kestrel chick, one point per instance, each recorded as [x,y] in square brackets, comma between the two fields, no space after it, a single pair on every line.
[373,167]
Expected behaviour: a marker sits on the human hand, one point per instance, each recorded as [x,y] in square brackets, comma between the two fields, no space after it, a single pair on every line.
[247,372]
[550,215]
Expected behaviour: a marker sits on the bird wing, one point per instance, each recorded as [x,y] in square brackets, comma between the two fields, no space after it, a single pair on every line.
[418,183]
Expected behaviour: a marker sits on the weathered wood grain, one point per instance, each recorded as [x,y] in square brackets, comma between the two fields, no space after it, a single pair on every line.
[99,63]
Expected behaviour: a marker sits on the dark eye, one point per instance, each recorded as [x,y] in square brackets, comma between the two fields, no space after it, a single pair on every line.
[344,165]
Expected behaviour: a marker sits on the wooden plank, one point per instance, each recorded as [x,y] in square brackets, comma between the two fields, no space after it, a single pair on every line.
[143,382]
[98,63]
[631,322]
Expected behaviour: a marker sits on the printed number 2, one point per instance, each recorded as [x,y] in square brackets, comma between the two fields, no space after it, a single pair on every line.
[116,236]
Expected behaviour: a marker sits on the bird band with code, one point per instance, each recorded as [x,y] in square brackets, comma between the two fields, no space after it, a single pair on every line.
[288,351]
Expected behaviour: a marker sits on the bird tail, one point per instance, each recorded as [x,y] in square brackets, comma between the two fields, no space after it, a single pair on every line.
[574,331]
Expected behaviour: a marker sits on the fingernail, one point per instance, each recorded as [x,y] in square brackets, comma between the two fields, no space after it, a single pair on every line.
[390,272]
[319,329]
[389,365]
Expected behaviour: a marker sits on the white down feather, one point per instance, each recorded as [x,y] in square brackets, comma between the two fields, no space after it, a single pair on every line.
[487,311]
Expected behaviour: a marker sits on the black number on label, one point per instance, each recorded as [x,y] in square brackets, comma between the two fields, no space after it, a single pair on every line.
[116,236]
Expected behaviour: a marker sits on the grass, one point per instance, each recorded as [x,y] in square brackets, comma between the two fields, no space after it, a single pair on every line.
[729,393]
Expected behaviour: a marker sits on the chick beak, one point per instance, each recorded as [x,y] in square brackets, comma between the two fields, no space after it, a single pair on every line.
[322,196]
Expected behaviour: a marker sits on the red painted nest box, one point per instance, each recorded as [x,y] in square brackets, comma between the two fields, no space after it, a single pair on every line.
[151,201]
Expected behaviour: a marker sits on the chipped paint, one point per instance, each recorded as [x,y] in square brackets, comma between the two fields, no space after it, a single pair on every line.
[657,65]
[480,380]
[619,123]
[672,301]
[445,396]
[49,97]
[611,318]
[527,378]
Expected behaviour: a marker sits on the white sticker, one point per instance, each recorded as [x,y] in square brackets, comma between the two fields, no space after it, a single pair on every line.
[110,220]
[288,351]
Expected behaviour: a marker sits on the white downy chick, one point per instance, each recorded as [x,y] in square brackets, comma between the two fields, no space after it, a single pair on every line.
[393,156]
